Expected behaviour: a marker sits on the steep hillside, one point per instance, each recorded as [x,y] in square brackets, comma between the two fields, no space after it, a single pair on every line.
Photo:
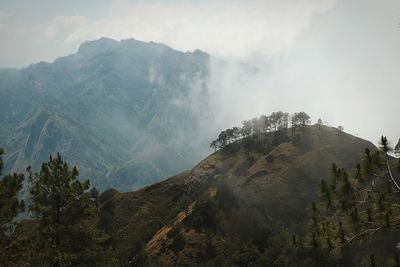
[235,199]
[48,130]
[129,112]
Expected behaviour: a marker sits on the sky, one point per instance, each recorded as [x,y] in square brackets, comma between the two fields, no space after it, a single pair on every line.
[338,60]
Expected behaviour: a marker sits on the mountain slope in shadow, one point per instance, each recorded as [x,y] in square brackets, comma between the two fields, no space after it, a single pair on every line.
[210,213]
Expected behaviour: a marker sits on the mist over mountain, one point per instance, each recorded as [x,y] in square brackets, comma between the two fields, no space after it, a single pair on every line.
[128,113]
[226,133]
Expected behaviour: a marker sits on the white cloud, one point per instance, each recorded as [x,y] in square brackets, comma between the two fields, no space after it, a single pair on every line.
[241,30]
[62,27]
[342,68]
[334,59]
[224,28]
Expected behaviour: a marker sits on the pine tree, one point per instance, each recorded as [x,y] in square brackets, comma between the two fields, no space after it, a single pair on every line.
[384,145]
[10,205]
[303,118]
[357,204]
[397,149]
[214,144]
[64,211]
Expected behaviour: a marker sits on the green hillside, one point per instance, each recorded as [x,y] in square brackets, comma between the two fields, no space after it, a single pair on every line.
[227,197]
[261,200]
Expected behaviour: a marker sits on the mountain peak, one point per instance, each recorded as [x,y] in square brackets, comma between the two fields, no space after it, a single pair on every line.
[100,45]
[110,92]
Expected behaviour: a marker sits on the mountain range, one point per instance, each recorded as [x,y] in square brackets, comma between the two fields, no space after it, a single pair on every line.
[128,113]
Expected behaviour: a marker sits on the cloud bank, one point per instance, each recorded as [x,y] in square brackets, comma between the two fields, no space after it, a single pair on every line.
[225,28]
[336,59]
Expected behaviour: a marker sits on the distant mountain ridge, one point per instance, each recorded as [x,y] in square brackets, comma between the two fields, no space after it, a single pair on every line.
[124,111]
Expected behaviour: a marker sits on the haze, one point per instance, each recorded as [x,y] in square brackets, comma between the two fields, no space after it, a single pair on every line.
[336,60]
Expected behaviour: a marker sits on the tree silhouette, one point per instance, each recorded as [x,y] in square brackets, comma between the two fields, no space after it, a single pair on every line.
[10,205]
[397,149]
[246,129]
[214,144]
[257,128]
[236,133]
[64,210]
[230,135]
[303,118]
[384,145]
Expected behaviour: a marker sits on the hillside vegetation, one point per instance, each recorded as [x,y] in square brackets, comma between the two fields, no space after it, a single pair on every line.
[233,204]
[259,200]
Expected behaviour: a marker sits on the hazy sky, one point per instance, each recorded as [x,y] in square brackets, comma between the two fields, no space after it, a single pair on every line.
[335,59]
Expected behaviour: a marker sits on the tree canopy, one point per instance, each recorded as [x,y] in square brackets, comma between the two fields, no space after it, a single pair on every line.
[10,204]
[64,211]
[256,127]
[397,149]
[62,230]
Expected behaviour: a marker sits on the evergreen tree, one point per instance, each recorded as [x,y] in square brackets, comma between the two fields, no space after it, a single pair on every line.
[384,145]
[256,129]
[10,205]
[304,118]
[266,124]
[94,194]
[397,149]
[257,125]
[246,129]
[230,135]
[284,121]
[64,211]
[236,133]
[214,144]
[355,205]
[222,139]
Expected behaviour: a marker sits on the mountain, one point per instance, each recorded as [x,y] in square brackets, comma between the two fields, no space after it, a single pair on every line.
[46,131]
[128,113]
[232,205]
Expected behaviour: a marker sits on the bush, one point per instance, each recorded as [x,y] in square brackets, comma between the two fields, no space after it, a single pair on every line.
[204,215]
[247,256]
[178,241]
[226,198]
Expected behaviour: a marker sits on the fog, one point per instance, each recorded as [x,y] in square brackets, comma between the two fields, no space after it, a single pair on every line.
[337,60]
[344,69]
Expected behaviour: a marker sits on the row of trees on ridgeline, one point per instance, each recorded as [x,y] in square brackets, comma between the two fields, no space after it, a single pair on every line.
[256,127]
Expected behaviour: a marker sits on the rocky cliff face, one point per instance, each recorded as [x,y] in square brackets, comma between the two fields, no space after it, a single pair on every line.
[128,113]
